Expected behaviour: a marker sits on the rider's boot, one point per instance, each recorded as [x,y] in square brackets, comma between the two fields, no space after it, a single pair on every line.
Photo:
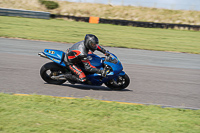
[70,78]
[73,79]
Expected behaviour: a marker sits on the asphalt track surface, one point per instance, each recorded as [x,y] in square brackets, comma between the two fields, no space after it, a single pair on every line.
[160,78]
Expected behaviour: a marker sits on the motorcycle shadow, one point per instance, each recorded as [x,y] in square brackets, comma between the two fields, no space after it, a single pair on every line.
[91,87]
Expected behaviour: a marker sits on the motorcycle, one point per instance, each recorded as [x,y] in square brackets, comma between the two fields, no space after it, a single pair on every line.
[54,72]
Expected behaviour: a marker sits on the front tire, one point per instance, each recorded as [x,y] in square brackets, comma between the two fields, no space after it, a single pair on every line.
[119,83]
[51,69]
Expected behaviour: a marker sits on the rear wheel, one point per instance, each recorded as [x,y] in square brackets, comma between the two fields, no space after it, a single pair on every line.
[51,69]
[119,83]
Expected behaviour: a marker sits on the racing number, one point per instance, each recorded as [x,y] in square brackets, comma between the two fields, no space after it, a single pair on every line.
[51,52]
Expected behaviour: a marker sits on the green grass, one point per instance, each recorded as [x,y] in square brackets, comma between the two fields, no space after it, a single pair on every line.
[45,114]
[109,35]
[135,13]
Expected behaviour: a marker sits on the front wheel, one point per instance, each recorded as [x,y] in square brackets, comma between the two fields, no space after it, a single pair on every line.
[51,69]
[118,83]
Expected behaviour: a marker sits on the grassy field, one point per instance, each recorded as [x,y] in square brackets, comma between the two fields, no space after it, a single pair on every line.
[45,114]
[109,35]
[110,12]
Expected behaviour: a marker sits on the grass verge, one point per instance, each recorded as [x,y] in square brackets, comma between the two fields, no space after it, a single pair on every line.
[109,35]
[41,114]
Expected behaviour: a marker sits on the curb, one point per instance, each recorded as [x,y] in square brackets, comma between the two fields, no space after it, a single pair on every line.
[128,103]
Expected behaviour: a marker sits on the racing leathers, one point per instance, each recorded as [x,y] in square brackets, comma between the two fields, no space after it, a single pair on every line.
[76,56]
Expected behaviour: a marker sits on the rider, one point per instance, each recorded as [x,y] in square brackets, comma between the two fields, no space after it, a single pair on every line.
[77,55]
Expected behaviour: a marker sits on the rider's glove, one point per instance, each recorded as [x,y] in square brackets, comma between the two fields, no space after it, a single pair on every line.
[107,53]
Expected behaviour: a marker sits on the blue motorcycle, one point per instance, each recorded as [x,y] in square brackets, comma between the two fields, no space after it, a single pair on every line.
[54,72]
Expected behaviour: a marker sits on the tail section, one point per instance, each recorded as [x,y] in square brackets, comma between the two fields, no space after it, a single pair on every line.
[55,55]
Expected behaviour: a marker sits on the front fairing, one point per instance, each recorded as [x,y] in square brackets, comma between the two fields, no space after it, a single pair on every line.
[95,60]
[111,61]
[100,62]
[114,63]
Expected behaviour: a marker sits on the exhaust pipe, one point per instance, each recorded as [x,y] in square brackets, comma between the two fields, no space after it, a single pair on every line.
[42,55]
[59,77]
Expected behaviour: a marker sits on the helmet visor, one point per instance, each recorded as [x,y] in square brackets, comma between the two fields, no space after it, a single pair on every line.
[93,46]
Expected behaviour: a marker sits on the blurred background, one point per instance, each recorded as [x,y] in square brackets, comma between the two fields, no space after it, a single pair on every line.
[167,4]
[158,11]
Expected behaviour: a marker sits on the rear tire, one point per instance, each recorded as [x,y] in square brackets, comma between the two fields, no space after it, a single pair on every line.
[51,69]
[119,83]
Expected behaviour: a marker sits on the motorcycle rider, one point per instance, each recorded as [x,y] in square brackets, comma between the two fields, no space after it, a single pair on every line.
[77,55]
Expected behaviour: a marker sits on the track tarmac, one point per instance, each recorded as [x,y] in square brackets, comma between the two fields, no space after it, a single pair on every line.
[160,78]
